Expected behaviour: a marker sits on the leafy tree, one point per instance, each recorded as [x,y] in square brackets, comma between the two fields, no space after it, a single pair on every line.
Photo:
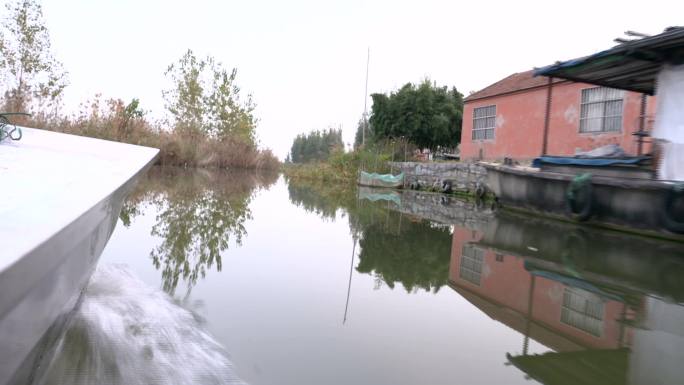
[426,115]
[29,73]
[124,115]
[316,145]
[206,101]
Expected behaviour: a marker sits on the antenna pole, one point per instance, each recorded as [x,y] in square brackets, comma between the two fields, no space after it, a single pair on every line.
[365,102]
[351,268]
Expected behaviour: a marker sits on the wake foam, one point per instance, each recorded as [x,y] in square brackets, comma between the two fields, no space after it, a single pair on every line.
[127,333]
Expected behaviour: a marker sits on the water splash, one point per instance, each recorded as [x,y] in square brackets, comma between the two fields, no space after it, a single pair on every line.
[126,332]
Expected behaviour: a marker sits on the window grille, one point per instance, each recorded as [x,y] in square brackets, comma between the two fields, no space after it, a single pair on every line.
[582,310]
[601,110]
[470,268]
[484,121]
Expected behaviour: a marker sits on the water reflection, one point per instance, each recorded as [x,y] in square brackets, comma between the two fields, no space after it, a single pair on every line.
[395,248]
[415,255]
[199,214]
[607,306]
[602,302]
[322,200]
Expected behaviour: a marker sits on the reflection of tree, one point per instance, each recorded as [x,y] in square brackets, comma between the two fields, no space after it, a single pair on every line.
[322,199]
[417,255]
[393,248]
[199,213]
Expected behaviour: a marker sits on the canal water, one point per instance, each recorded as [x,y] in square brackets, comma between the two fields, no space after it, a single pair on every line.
[232,278]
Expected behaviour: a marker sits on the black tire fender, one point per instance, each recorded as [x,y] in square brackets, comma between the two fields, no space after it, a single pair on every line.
[447,186]
[673,224]
[579,198]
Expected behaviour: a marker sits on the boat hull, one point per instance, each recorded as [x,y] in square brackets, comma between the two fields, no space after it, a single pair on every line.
[45,272]
[630,204]
[48,284]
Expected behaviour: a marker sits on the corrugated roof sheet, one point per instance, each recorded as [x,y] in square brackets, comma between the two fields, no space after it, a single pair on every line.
[516,82]
[632,66]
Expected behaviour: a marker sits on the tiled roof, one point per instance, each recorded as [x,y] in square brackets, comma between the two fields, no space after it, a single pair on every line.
[516,82]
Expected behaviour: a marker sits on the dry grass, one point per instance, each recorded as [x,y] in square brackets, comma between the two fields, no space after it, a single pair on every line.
[111,121]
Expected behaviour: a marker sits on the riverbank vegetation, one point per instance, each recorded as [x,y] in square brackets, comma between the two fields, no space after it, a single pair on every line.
[339,167]
[402,123]
[344,166]
[209,120]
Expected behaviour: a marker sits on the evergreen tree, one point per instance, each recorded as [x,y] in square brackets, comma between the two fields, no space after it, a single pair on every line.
[316,145]
[426,115]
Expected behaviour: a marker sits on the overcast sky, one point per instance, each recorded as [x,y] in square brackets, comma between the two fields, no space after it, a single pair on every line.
[305,61]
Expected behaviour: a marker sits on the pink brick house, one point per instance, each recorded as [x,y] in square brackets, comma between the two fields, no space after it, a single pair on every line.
[522,117]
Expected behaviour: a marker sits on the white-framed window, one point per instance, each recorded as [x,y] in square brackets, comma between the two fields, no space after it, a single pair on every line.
[601,110]
[470,268]
[484,121]
[582,310]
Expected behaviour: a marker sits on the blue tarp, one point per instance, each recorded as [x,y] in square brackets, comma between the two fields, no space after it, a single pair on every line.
[597,162]
[573,282]
[551,70]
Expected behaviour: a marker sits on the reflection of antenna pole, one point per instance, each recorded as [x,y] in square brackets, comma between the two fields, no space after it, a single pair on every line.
[528,323]
[365,102]
[351,267]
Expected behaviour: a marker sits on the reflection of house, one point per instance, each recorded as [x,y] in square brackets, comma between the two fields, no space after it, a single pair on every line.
[557,314]
[582,316]
[509,118]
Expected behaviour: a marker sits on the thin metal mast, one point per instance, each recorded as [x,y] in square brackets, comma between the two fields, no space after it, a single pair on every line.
[351,269]
[365,102]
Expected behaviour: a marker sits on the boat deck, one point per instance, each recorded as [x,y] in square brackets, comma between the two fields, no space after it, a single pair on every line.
[60,199]
[50,179]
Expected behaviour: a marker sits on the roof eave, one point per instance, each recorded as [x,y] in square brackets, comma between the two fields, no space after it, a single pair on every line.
[520,90]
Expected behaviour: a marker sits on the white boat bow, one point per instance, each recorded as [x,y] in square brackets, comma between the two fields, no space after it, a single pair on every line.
[60,197]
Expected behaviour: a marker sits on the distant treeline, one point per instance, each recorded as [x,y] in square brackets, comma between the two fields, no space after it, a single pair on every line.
[315,146]
[209,123]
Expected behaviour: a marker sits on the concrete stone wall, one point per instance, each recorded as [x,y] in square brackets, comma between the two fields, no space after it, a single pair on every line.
[465,176]
[446,209]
